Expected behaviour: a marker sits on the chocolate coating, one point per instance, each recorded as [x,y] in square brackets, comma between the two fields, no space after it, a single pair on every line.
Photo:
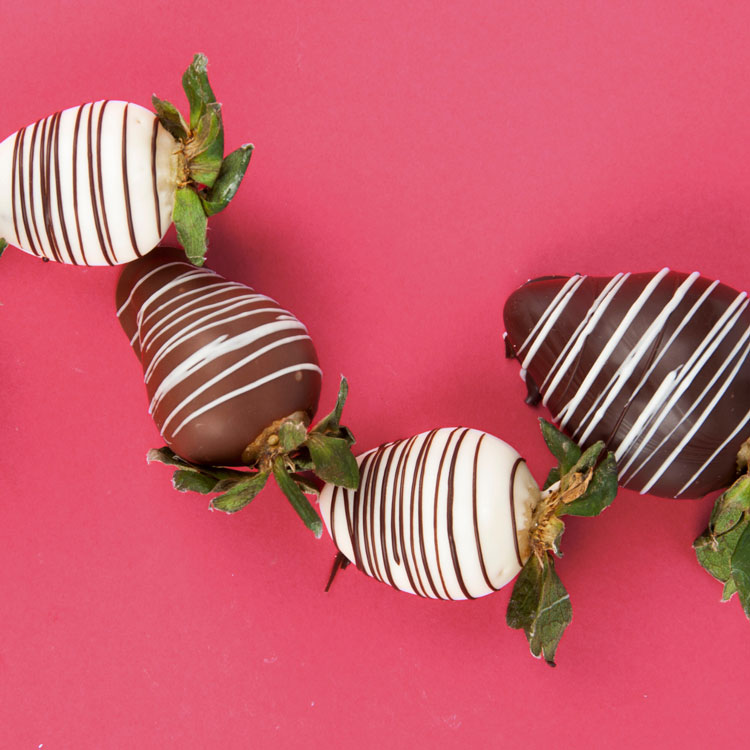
[654,364]
[221,362]
[444,514]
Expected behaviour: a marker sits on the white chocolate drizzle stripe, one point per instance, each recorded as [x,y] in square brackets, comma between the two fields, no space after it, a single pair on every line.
[578,340]
[245,389]
[181,337]
[565,292]
[698,423]
[687,375]
[214,350]
[624,372]
[228,371]
[665,387]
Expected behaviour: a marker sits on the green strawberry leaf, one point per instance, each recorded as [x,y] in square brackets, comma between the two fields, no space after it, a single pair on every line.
[599,494]
[187,480]
[291,435]
[540,606]
[170,117]
[561,446]
[205,149]
[197,88]
[333,460]
[715,553]
[740,566]
[730,589]
[298,501]
[3,245]
[330,424]
[232,170]
[191,223]
[241,494]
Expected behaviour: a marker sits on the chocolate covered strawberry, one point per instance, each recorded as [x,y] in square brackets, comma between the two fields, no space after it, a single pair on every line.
[101,183]
[233,380]
[454,513]
[656,365]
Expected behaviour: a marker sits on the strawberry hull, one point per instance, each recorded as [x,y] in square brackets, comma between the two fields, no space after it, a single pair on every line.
[221,362]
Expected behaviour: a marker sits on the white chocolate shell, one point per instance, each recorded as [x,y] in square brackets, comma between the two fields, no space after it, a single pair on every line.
[444,514]
[91,185]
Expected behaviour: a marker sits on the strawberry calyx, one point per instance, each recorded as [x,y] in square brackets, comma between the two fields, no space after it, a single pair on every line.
[298,457]
[206,180]
[584,483]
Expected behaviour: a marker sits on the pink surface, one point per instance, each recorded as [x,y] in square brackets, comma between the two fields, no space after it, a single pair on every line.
[415,162]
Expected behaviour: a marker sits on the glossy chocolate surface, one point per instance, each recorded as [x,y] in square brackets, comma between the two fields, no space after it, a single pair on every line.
[221,362]
[654,364]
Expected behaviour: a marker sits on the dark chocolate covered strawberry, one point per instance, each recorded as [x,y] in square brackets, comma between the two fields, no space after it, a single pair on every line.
[233,380]
[656,365]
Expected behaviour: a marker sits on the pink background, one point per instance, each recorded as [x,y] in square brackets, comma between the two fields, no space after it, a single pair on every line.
[415,163]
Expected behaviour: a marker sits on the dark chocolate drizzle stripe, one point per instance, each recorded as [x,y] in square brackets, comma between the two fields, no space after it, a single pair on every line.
[92,184]
[449,518]
[512,495]
[383,503]
[14,184]
[401,507]
[449,510]
[45,183]
[76,136]
[100,183]
[32,210]
[157,203]
[475,515]
[58,190]
[417,509]
[125,186]
[22,195]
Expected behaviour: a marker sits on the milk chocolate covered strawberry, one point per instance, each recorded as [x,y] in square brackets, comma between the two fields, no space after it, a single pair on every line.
[233,379]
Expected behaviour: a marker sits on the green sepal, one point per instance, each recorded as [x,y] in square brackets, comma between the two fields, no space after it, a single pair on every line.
[205,150]
[729,590]
[599,494]
[170,117]
[168,457]
[741,569]
[561,446]
[296,498]
[714,552]
[331,423]
[540,606]
[723,549]
[333,460]
[230,176]
[241,494]
[197,88]
[191,223]
[292,435]
[187,480]
[3,245]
